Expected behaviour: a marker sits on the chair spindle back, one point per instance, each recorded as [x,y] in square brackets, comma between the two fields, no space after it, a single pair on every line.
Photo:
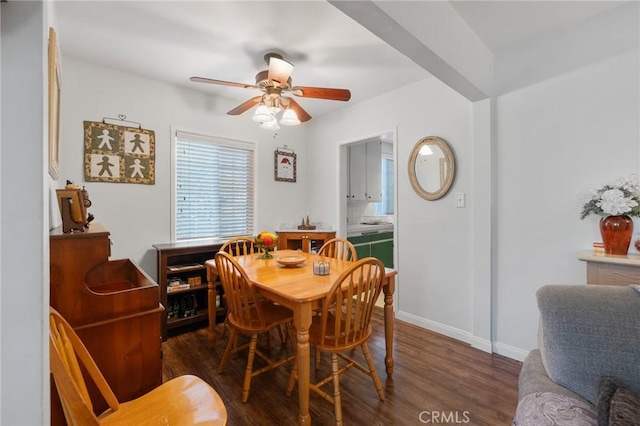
[347,308]
[240,246]
[339,248]
[242,300]
[65,350]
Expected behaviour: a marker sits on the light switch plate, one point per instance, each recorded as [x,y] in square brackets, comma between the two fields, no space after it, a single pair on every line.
[461,199]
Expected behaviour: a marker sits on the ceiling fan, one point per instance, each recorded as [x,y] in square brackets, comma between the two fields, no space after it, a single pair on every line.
[275,83]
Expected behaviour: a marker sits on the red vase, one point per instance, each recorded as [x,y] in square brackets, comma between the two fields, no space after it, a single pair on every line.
[616,234]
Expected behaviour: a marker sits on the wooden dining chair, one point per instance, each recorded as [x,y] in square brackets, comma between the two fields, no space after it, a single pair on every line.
[238,246]
[248,314]
[339,248]
[184,400]
[339,330]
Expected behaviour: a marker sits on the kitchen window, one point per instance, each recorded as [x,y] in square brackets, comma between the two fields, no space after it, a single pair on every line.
[214,188]
[385,207]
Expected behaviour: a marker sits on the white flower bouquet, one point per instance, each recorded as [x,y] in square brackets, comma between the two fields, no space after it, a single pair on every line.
[619,198]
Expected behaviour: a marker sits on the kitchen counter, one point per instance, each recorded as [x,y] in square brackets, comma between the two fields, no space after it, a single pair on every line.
[359,229]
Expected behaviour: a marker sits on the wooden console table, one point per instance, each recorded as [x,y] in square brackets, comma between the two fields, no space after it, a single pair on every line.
[611,269]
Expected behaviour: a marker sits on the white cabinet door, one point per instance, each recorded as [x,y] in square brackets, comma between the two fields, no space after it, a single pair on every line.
[358,172]
[374,171]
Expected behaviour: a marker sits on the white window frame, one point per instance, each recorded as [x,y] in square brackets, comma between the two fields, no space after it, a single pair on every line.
[386,157]
[208,139]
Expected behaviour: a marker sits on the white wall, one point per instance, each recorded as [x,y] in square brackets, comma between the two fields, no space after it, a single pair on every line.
[24,261]
[138,216]
[433,237]
[567,119]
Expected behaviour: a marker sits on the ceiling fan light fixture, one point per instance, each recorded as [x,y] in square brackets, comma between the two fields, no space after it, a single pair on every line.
[289,118]
[275,84]
[279,70]
[274,108]
[270,125]
[262,114]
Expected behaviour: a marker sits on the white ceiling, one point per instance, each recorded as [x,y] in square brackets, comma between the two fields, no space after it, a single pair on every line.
[173,40]
[501,24]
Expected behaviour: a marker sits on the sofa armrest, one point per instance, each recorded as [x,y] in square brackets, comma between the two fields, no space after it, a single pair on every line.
[533,378]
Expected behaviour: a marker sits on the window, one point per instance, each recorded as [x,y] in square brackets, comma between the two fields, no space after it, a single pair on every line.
[385,207]
[214,187]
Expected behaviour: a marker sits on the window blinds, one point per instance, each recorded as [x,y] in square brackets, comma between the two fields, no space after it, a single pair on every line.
[214,187]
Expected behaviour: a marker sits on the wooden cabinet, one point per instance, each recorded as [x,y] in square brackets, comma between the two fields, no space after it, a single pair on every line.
[182,277]
[115,309]
[378,245]
[307,241]
[610,269]
[365,172]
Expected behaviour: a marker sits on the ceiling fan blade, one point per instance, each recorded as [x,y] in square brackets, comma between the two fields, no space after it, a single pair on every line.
[245,106]
[279,70]
[300,112]
[223,83]
[322,93]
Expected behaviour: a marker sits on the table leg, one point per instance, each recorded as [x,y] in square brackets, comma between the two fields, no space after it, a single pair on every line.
[388,290]
[302,321]
[211,308]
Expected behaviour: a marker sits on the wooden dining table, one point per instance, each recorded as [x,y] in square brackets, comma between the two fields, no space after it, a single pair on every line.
[299,289]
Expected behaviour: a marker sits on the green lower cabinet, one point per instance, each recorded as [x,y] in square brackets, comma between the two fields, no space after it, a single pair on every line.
[384,252]
[363,250]
[367,245]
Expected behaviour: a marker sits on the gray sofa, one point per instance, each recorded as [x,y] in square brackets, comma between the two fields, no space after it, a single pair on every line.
[586,370]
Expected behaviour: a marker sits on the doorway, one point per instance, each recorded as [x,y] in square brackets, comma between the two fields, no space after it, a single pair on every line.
[368,188]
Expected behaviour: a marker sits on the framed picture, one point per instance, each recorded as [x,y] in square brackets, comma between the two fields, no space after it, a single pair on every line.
[285,166]
[118,154]
[54,106]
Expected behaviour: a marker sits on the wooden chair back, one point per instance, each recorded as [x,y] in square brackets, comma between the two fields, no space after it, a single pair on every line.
[243,310]
[239,246]
[347,308]
[339,248]
[66,354]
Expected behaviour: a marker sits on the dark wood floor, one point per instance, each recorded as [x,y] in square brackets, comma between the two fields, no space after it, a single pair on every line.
[436,378]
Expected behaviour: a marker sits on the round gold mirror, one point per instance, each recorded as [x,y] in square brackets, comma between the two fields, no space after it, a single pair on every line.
[431,167]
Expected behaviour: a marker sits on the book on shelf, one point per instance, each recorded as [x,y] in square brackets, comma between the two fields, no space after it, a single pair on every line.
[176,287]
[176,268]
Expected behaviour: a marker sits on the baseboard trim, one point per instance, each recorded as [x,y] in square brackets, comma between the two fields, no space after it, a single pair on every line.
[510,351]
[464,336]
[455,333]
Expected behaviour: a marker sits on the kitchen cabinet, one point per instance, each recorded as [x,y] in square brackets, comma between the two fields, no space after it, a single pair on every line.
[378,245]
[182,277]
[365,172]
[307,241]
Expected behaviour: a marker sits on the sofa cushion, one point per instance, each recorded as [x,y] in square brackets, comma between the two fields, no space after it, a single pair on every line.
[617,406]
[550,409]
[590,331]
